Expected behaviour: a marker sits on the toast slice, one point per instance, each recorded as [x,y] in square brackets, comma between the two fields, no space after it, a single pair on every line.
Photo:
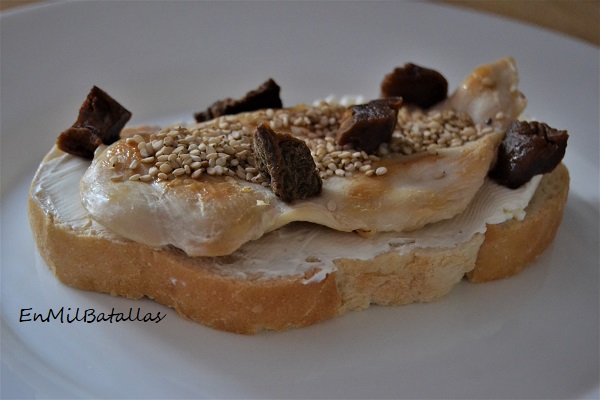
[85,255]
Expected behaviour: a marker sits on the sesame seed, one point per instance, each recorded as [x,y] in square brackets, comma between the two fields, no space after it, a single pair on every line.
[149,148]
[157,144]
[138,138]
[240,173]
[433,147]
[456,142]
[228,149]
[166,168]
[135,177]
[381,171]
[178,150]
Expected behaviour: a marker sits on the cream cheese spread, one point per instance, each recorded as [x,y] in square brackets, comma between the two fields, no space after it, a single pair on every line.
[56,188]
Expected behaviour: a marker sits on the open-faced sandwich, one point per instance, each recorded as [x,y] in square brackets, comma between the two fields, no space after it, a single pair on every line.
[260,217]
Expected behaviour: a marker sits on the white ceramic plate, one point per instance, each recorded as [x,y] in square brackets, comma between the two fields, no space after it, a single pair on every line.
[532,336]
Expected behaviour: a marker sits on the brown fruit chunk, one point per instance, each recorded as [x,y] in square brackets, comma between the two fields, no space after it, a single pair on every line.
[265,96]
[528,149]
[287,164]
[416,85]
[367,126]
[100,120]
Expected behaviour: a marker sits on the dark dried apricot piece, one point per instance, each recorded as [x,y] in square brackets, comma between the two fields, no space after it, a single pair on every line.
[286,163]
[416,85]
[367,126]
[265,96]
[100,120]
[528,149]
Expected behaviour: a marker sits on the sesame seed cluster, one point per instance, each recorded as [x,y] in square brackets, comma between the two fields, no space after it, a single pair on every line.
[418,131]
[223,147]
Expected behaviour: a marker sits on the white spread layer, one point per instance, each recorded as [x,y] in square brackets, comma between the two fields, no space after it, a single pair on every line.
[299,247]
[56,187]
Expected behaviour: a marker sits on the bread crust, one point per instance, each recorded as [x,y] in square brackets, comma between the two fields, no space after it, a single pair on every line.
[511,246]
[82,259]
